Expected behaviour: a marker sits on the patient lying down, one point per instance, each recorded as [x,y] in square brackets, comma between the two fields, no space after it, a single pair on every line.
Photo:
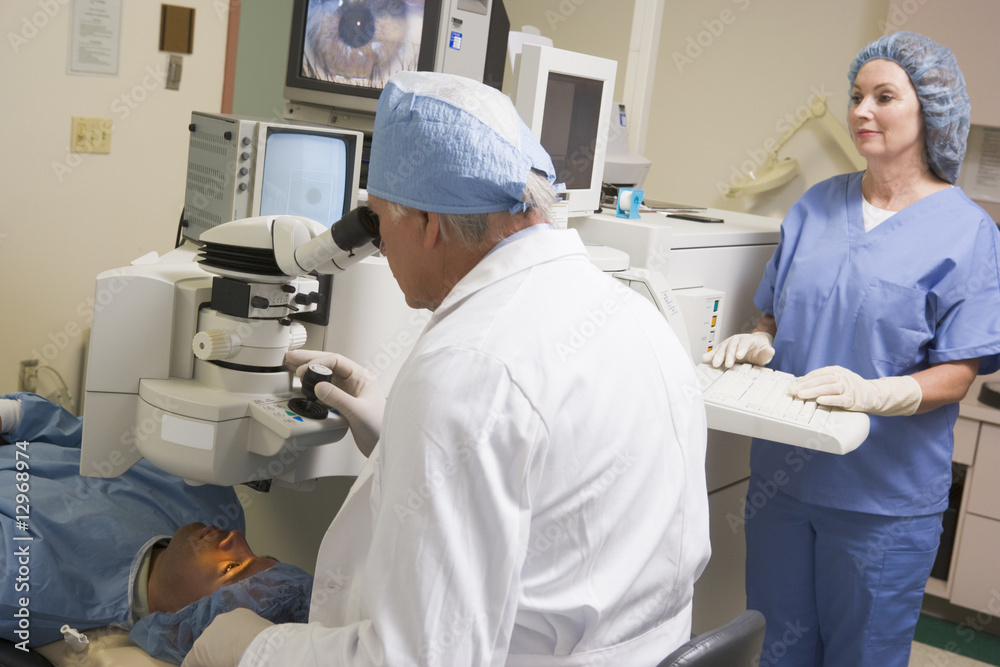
[144,552]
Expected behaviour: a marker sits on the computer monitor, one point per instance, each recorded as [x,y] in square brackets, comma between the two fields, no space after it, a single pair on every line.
[240,167]
[565,99]
[342,53]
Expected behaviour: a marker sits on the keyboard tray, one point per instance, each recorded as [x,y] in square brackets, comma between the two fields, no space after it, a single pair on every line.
[754,401]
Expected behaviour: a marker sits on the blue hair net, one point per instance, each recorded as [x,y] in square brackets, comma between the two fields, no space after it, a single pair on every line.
[940,86]
[448,144]
[279,594]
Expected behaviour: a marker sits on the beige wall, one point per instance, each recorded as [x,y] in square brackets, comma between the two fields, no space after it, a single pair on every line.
[731,73]
[596,27]
[265,27]
[67,217]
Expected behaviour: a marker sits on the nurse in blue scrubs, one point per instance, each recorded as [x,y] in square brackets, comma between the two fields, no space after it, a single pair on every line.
[884,296]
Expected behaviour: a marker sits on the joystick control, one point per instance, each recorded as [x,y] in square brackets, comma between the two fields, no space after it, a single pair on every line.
[310,406]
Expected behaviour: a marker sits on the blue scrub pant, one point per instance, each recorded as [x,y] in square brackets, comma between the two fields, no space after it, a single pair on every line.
[838,588]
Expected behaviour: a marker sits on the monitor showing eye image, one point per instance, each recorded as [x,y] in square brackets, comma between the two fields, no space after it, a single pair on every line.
[341,53]
[361,43]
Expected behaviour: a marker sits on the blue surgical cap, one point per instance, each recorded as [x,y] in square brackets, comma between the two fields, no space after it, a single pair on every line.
[279,594]
[448,144]
[940,86]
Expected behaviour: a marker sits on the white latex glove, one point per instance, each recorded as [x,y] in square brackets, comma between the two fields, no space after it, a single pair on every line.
[838,387]
[354,393]
[225,639]
[754,348]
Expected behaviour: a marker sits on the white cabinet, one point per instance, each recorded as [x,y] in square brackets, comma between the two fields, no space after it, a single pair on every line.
[975,573]
[719,594]
[974,576]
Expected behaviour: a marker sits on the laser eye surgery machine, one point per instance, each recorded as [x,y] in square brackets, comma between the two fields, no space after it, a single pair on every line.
[186,358]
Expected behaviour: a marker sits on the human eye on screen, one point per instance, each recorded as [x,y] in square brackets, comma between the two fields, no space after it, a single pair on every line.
[362,42]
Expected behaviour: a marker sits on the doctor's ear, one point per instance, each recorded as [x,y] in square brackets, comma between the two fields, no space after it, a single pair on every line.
[432,230]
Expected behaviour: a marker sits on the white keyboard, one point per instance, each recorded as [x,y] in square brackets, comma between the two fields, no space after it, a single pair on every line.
[754,401]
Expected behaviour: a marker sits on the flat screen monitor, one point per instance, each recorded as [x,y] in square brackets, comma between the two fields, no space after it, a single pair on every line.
[240,167]
[342,53]
[565,99]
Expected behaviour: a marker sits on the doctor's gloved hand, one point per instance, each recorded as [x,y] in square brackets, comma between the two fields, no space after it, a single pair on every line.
[838,387]
[354,393]
[753,348]
[225,639]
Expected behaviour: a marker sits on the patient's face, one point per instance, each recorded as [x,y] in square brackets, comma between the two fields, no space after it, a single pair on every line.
[199,560]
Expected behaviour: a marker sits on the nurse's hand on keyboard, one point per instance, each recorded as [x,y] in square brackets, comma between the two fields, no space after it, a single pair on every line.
[838,387]
[752,348]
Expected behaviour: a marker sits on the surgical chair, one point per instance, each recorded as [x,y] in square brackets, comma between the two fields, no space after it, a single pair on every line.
[738,643]
[11,656]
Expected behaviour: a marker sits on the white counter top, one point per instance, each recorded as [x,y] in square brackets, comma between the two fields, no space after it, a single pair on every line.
[971,408]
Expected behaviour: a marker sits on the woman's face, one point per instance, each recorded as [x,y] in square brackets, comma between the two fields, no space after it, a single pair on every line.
[885,116]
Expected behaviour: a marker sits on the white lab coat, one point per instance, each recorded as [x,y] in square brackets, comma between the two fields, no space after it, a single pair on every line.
[538,494]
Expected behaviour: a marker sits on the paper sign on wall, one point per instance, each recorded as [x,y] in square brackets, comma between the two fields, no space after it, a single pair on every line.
[95,37]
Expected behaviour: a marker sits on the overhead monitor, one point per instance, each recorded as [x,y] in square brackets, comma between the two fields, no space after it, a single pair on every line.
[240,167]
[342,53]
[565,99]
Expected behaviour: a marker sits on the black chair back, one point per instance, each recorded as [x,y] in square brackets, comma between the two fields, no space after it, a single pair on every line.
[738,643]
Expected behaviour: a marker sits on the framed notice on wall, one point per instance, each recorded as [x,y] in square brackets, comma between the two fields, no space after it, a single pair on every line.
[95,36]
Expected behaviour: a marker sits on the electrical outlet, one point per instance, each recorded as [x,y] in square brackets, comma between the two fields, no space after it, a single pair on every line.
[90,135]
[27,379]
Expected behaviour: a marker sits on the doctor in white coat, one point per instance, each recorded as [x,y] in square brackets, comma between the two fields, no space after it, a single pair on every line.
[537,492]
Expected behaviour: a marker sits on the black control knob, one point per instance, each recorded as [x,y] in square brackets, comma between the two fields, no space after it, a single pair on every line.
[314,374]
[310,407]
[306,299]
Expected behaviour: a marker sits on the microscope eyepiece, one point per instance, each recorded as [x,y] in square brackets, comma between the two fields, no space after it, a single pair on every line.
[356,228]
[352,238]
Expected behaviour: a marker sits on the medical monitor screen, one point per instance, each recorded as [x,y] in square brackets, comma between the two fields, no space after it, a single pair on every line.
[305,174]
[570,119]
[361,43]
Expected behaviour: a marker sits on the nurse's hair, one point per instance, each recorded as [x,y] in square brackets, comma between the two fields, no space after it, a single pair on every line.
[940,86]
[473,229]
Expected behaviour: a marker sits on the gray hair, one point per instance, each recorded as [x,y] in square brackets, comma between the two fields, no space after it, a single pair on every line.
[473,229]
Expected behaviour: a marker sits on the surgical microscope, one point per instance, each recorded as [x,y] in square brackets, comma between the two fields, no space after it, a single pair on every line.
[186,361]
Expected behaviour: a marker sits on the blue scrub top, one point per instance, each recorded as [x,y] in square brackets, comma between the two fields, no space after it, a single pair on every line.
[921,288]
[86,531]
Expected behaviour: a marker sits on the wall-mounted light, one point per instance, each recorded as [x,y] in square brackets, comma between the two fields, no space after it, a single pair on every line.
[775,172]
